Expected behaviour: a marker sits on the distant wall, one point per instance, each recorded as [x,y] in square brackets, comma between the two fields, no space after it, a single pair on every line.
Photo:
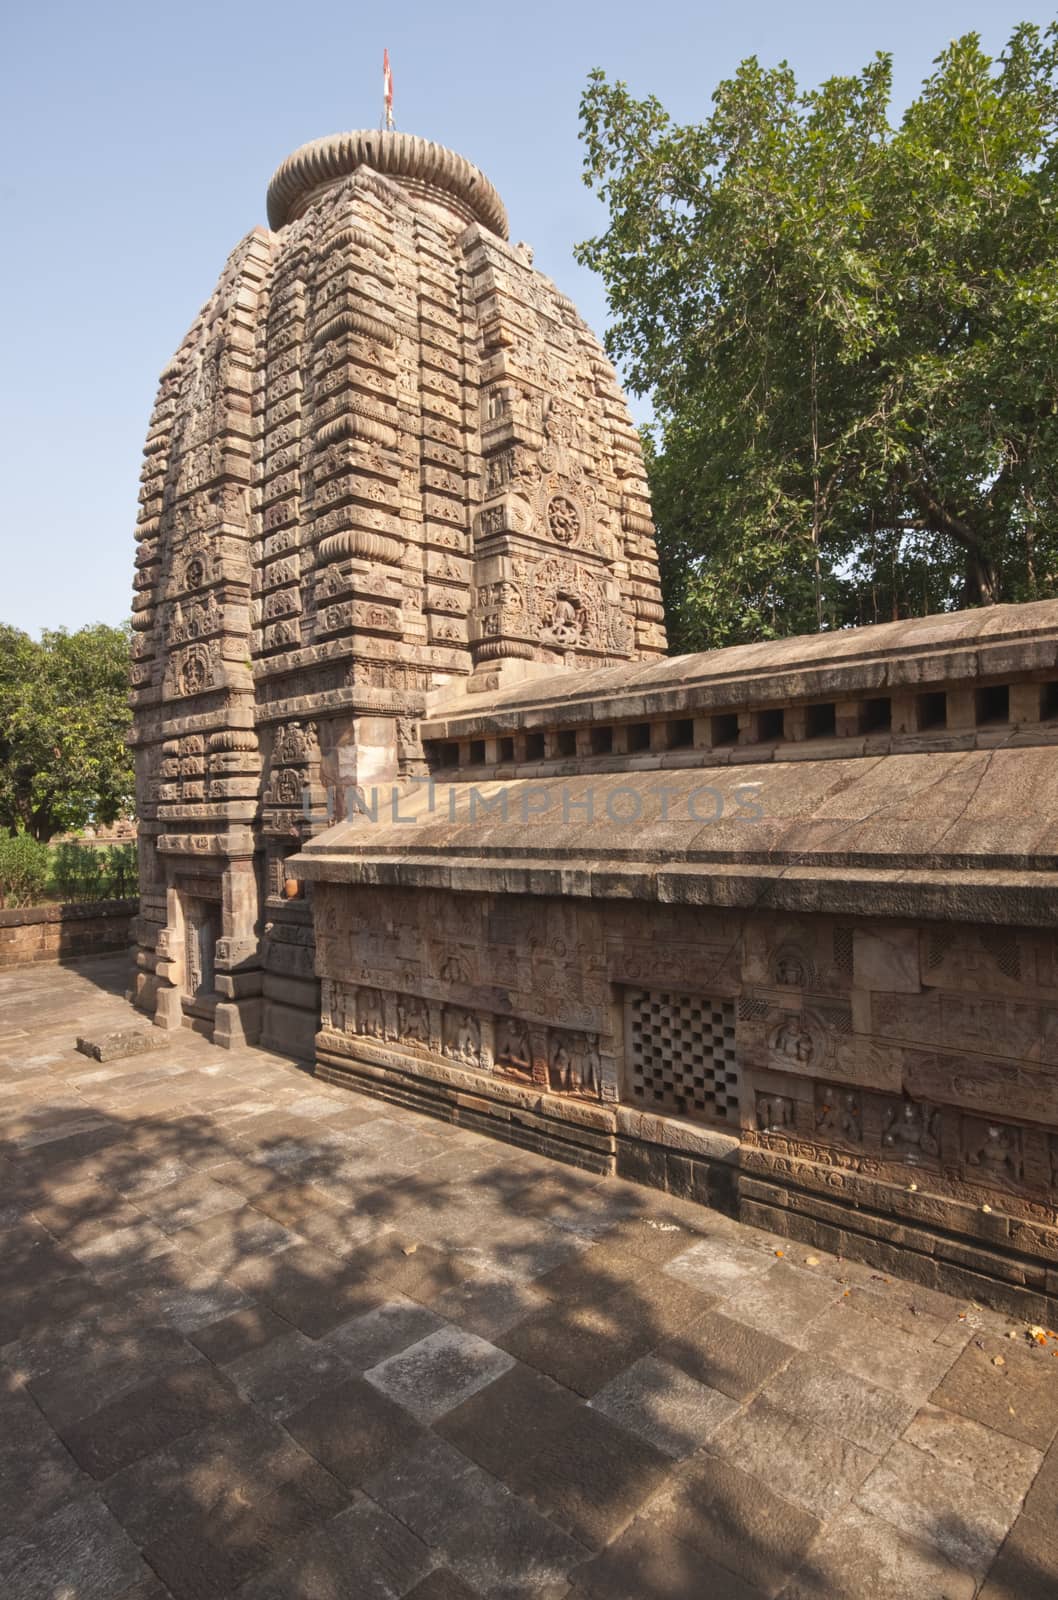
[65,932]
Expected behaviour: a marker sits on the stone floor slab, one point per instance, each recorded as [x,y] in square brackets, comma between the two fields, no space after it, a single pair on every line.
[719,1264]
[647,1560]
[1013,1390]
[881,1353]
[861,1557]
[286,1373]
[737,1521]
[591,1476]
[812,1466]
[727,1355]
[935,1502]
[1003,1466]
[664,1405]
[1026,1566]
[388,1328]
[439,1372]
[354,1431]
[832,1398]
[83,1541]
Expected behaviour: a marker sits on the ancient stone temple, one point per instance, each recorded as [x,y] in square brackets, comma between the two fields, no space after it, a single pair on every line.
[423,800]
[388,457]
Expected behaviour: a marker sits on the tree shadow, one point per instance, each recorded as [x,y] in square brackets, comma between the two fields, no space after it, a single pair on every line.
[195,1280]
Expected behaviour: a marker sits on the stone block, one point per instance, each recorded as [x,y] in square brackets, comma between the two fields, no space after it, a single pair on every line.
[123,1042]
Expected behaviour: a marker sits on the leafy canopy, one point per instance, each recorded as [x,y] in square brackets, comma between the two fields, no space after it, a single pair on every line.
[63,719]
[849,330]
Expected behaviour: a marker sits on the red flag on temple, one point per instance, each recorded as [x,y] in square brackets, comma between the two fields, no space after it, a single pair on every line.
[387,88]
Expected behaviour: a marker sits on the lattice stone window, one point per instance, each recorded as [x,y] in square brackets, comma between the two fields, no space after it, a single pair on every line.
[680,1055]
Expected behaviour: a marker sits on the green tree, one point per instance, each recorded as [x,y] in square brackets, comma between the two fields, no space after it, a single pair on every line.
[849,330]
[63,719]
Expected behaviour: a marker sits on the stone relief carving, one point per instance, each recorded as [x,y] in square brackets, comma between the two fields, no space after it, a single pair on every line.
[775,1113]
[839,1114]
[513,1050]
[574,1066]
[563,1062]
[993,1151]
[413,1020]
[912,1132]
[370,1016]
[791,968]
[463,1038]
[795,1041]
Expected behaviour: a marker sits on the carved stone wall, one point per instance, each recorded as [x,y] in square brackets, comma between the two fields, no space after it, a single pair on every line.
[888,1088]
[387,456]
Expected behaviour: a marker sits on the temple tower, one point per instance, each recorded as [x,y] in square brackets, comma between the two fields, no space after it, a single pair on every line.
[388,458]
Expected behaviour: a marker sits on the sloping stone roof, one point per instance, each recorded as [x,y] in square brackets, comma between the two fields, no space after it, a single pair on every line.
[966,834]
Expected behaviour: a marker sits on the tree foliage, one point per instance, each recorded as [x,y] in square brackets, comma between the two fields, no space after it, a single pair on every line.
[63,719]
[849,329]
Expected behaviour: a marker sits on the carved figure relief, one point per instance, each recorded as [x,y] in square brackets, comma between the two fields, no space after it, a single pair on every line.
[793,1041]
[791,968]
[370,1015]
[286,787]
[563,520]
[993,1150]
[573,1066]
[912,1131]
[839,1115]
[565,622]
[413,1021]
[775,1113]
[512,1046]
[196,672]
[463,1041]
[294,742]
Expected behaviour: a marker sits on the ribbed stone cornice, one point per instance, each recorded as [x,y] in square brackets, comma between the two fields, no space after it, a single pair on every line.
[427,168]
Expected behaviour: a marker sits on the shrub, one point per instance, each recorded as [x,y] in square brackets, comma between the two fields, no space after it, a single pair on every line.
[23,869]
[122,871]
[93,872]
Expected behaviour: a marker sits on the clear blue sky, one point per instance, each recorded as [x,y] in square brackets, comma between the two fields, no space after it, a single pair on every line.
[138,146]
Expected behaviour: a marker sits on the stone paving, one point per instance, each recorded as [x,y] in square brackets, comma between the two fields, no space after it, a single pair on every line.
[263,1337]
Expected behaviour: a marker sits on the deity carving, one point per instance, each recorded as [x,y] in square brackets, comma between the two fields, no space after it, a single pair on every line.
[790,968]
[286,787]
[293,742]
[332,1006]
[413,1020]
[996,1153]
[573,1065]
[455,968]
[563,520]
[840,1116]
[512,1046]
[565,622]
[775,1113]
[793,1040]
[370,1014]
[196,673]
[912,1131]
[464,1039]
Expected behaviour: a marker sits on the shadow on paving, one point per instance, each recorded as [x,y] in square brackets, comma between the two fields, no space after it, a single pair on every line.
[200,1265]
